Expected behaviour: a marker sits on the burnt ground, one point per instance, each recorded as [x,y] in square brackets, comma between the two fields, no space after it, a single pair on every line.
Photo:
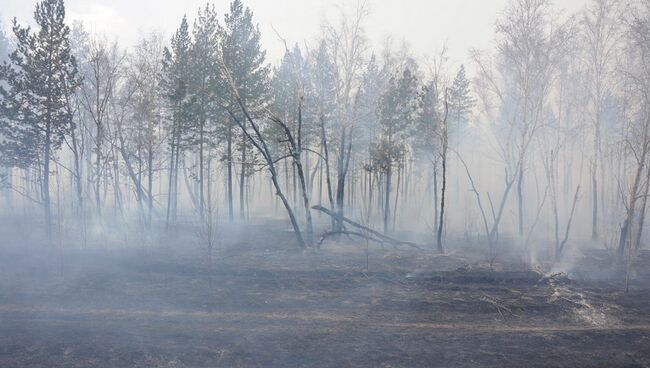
[265,304]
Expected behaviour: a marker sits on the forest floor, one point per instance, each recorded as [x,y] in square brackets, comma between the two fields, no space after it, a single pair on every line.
[265,304]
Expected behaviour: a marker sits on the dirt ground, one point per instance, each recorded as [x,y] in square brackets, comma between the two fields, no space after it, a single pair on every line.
[264,304]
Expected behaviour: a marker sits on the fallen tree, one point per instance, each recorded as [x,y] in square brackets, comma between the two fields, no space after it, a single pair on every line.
[366,232]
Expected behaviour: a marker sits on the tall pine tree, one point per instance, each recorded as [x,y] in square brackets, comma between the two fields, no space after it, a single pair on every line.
[461,103]
[33,113]
[203,85]
[396,111]
[244,60]
[174,89]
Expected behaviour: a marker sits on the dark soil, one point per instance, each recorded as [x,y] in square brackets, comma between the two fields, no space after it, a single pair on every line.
[264,304]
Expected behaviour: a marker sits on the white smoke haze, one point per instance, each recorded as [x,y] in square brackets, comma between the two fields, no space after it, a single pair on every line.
[307,183]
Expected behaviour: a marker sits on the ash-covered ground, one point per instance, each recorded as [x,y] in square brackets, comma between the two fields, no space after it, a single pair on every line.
[263,303]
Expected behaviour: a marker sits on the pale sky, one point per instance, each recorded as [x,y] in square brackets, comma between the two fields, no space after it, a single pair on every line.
[427,25]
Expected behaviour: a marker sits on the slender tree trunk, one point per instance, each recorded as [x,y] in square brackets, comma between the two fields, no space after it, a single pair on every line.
[170,185]
[201,172]
[242,182]
[328,177]
[397,190]
[389,174]
[340,183]
[98,168]
[639,234]
[176,170]
[46,181]
[301,175]
[229,172]
[370,196]
[294,184]
[597,156]
[520,199]
[594,203]
[442,194]
[118,191]
[150,185]
[435,197]
[305,198]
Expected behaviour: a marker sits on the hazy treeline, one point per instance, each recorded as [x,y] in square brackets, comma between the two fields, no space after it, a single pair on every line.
[542,140]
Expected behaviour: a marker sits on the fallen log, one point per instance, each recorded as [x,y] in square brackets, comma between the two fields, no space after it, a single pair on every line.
[379,236]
